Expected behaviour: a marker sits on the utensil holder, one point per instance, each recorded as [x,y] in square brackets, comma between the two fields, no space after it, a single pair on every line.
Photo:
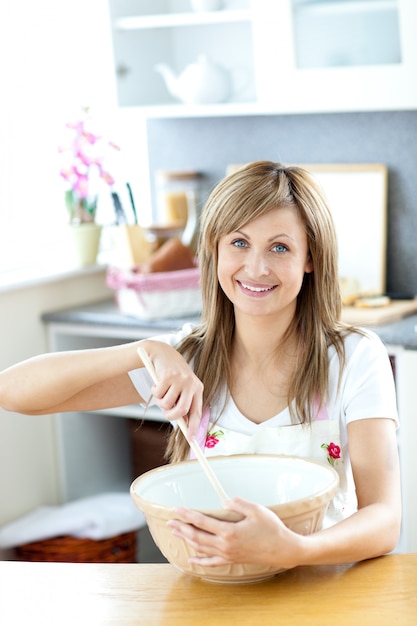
[130,246]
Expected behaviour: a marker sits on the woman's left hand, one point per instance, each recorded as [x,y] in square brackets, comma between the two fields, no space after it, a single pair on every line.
[260,537]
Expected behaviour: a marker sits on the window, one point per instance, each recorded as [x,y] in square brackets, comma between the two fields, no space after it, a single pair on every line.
[55,57]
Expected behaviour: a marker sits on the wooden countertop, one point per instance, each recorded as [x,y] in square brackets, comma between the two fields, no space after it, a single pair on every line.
[392,312]
[380,591]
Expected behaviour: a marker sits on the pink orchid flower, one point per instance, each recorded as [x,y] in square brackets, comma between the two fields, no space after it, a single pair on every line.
[84,156]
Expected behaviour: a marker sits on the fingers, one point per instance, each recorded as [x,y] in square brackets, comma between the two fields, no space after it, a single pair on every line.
[244,507]
[214,541]
[201,533]
[186,517]
[177,390]
[181,397]
[248,540]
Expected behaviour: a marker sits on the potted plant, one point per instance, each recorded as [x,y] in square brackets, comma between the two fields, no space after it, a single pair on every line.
[84,156]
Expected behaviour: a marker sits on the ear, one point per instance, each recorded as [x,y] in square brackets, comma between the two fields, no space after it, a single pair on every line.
[309,265]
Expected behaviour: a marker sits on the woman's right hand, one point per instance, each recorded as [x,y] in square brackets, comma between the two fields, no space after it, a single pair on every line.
[178,392]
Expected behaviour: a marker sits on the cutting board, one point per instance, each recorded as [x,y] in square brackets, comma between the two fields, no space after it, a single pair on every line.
[379,315]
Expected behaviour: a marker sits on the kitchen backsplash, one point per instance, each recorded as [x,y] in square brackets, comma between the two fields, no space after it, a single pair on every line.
[211,144]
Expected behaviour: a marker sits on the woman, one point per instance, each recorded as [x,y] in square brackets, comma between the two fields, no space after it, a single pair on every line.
[270,369]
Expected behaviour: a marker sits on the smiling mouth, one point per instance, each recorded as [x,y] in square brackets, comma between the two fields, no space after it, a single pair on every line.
[257,289]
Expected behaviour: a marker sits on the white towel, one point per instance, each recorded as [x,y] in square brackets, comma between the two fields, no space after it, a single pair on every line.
[96,517]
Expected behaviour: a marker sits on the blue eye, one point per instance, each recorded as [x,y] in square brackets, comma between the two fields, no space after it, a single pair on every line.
[239,243]
[279,247]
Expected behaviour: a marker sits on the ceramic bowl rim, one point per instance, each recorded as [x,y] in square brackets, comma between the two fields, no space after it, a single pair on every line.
[281,509]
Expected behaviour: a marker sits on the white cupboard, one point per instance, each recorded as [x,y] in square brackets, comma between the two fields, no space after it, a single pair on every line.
[283,56]
[405,375]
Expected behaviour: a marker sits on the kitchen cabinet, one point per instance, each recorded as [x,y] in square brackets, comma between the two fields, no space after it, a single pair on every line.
[366,55]
[160,31]
[283,57]
[93,450]
[405,368]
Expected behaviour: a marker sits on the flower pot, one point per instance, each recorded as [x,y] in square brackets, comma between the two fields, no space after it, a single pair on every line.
[86,242]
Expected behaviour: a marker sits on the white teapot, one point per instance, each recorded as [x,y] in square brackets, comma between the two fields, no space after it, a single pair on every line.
[202,82]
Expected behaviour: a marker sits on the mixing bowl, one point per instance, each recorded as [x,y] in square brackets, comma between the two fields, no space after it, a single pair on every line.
[296,489]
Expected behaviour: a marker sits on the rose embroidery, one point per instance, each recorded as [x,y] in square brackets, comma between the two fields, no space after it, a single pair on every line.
[212,439]
[333,452]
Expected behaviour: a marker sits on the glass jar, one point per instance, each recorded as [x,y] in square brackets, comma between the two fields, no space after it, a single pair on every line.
[177,197]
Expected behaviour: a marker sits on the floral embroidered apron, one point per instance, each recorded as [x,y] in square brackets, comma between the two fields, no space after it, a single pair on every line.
[319,441]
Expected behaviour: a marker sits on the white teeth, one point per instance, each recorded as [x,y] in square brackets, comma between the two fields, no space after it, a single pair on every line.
[256,288]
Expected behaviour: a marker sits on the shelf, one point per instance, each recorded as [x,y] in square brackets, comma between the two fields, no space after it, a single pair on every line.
[330,8]
[227,109]
[152,414]
[141,22]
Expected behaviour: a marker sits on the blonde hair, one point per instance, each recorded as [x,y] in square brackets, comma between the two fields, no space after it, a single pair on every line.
[239,198]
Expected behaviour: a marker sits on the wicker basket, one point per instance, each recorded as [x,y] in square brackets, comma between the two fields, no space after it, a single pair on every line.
[118,549]
[156,295]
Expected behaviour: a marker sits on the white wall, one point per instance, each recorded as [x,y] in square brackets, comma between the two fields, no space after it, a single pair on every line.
[55,57]
[27,448]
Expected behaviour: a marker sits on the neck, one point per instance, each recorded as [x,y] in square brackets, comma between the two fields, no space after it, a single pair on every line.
[264,358]
[259,338]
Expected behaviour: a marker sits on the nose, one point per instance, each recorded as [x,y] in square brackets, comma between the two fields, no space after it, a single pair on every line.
[256,264]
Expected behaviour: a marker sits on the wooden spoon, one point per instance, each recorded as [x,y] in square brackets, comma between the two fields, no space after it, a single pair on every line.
[192,442]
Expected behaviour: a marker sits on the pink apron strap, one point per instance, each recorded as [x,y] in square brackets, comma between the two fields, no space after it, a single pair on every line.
[321,411]
[202,431]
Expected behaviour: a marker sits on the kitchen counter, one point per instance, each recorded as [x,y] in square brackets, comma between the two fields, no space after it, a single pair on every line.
[402,332]
[378,592]
[106,314]
[101,324]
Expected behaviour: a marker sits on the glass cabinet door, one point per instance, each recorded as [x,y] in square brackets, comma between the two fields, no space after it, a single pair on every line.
[336,55]
[337,33]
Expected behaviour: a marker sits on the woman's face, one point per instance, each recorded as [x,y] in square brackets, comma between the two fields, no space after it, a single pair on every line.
[261,266]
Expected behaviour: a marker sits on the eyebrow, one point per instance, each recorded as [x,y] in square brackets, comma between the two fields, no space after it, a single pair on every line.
[273,238]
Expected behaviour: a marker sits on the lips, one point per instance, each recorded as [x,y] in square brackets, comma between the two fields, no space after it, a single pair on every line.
[256,289]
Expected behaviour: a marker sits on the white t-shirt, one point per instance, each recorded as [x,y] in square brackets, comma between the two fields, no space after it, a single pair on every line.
[366,390]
